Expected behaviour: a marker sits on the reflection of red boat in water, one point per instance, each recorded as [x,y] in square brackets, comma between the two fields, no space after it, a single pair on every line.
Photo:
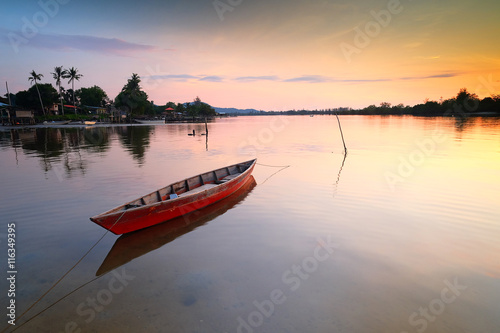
[135,244]
[176,199]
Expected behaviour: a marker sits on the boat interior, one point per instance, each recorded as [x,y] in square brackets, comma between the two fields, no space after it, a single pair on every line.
[191,185]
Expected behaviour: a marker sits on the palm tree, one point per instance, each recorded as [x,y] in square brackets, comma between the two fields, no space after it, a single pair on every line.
[58,74]
[72,74]
[33,78]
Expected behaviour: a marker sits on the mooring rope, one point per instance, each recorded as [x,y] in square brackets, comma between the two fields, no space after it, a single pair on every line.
[274,166]
[60,299]
[282,167]
[60,279]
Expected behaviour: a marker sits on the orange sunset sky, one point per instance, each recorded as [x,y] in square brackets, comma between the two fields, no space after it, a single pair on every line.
[268,55]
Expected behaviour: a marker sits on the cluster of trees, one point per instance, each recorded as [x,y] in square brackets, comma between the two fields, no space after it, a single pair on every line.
[132,100]
[42,96]
[463,104]
[194,109]
[58,74]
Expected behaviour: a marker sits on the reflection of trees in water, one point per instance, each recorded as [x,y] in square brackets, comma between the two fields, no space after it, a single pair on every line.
[59,148]
[66,150]
[96,139]
[462,123]
[135,139]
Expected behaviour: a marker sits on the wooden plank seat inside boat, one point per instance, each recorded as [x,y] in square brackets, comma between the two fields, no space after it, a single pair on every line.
[227,178]
[198,189]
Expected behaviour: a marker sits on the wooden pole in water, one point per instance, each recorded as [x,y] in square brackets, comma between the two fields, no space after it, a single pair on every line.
[8,94]
[10,104]
[341,134]
[206,126]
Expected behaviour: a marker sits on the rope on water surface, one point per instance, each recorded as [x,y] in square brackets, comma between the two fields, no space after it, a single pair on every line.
[274,166]
[282,167]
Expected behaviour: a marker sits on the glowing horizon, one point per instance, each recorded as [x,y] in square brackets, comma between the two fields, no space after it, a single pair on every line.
[262,55]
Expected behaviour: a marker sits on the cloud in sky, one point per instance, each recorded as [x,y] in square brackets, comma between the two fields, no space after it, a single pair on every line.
[61,42]
[310,79]
[436,76]
[175,77]
[328,79]
[186,77]
[290,46]
[257,78]
[212,78]
[298,79]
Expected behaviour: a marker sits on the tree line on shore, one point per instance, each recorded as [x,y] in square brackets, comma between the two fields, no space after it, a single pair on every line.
[133,101]
[463,104]
[44,99]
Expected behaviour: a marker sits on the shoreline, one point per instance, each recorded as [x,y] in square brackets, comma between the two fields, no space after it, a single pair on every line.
[79,125]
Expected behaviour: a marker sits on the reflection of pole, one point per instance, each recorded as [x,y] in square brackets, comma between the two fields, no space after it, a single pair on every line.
[46,130]
[13,138]
[338,175]
[341,134]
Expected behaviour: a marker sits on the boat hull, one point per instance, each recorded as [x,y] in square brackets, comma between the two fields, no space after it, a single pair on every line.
[128,220]
[135,244]
[56,123]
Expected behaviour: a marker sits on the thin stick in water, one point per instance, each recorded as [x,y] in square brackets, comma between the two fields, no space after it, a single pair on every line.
[341,134]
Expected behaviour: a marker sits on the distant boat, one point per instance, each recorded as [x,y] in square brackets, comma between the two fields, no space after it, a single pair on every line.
[176,199]
[89,122]
[56,123]
[151,122]
[135,244]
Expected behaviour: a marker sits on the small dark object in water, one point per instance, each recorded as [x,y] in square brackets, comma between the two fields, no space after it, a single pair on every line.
[188,300]
[192,134]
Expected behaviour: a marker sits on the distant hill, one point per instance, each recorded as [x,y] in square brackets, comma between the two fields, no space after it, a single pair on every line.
[235,111]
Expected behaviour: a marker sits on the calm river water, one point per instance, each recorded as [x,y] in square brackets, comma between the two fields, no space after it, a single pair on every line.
[403,235]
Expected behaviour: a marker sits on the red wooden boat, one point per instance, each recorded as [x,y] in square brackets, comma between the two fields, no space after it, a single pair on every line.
[130,246]
[176,199]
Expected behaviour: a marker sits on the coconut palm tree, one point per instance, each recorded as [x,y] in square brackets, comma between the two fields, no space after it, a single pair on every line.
[72,74]
[58,74]
[34,78]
